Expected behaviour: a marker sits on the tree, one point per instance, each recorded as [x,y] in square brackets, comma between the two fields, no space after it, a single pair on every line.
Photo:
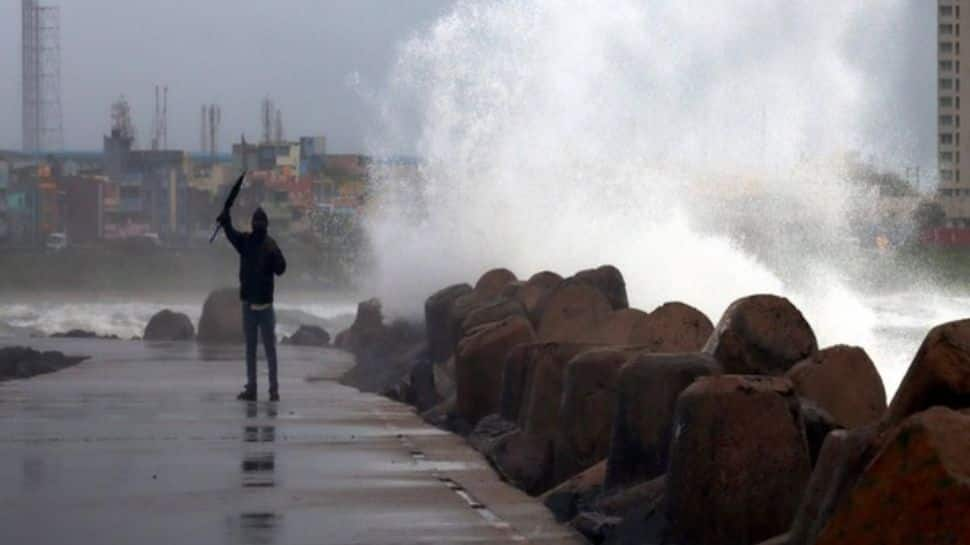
[929,215]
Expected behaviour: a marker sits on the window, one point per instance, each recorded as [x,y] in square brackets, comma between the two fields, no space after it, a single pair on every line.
[946,139]
[946,11]
[946,120]
[946,47]
[946,157]
[946,66]
[946,30]
[946,102]
[946,176]
[946,83]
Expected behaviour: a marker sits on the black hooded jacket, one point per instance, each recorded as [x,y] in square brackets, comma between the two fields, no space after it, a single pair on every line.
[259,260]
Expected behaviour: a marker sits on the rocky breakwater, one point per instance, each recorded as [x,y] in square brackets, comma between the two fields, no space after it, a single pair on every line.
[18,362]
[661,427]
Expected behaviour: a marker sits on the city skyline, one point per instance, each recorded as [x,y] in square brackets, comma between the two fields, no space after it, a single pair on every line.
[337,55]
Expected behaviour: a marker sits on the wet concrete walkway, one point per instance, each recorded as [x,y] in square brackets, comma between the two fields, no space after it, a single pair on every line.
[145,444]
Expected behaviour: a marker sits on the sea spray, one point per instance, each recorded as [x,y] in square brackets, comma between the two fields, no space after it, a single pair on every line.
[698,146]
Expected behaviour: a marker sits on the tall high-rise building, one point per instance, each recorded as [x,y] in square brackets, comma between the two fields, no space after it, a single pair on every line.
[954,188]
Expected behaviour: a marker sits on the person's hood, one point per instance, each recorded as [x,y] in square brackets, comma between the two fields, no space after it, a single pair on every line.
[260,221]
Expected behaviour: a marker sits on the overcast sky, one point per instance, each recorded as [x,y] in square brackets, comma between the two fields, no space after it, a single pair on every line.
[303,53]
[314,57]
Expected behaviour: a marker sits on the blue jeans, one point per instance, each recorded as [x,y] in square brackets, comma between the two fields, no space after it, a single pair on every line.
[257,322]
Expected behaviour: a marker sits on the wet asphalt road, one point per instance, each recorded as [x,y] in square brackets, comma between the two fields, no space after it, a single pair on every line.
[145,444]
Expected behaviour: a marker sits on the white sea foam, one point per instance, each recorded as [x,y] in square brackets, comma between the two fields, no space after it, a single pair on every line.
[127,319]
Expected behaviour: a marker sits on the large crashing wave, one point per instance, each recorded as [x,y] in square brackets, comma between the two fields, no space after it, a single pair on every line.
[696,145]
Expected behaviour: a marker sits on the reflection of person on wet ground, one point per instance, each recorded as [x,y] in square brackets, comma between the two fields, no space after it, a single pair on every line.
[260,259]
[258,525]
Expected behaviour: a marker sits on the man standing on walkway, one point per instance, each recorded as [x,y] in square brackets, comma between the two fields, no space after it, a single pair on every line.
[260,259]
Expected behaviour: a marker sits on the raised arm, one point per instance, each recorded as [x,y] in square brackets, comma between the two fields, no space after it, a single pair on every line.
[234,236]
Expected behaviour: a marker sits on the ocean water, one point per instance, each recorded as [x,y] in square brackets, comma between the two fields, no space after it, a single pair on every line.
[127,318]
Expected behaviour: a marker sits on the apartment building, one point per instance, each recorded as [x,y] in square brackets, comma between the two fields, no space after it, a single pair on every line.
[954,188]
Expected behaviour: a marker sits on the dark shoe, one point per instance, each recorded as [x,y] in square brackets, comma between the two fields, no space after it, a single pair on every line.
[274,396]
[247,395]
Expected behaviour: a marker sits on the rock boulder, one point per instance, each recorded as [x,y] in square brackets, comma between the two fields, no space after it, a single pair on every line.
[939,374]
[761,335]
[576,494]
[492,283]
[673,328]
[844,382]
[915,490]
[479,365]
[530,293]
[608,280]
[437,313]
[519,371]
[739,460]
[647,388]
[573,312]
[169,326]
[586,410]
[17,362]
[221,321]
[309,335]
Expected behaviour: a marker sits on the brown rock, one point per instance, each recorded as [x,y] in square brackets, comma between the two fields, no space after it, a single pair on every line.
[818,424]
[587,409]
[618,327]
[540,414]
[489,430]
[844,382]
[523,460]
[939,374]
[479,365]
[443,415]
[367,327]
[915,490]
[437,314]
[843,457]
[530,293]
[460,308]
[493,282]
[221,321]
[572,313]
[576,494]
[649,494]
[546,279]
[609,280]
[519,366]
[494,310]
[596,527]
[762,335]
[647,389]
[673,327]
[739,460]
